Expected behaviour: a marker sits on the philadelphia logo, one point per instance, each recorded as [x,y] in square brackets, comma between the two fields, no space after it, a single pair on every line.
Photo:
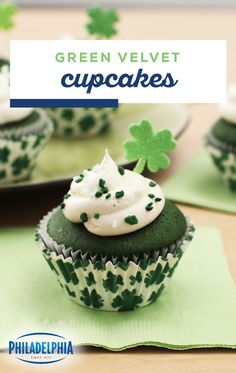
[40,348]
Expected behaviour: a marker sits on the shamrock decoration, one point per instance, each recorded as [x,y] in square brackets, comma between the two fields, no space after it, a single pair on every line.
[102,22]
[149,148]
[7,11]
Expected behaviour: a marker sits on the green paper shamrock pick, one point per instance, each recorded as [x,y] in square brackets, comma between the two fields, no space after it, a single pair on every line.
[102,22]
[7,11]
[149,148]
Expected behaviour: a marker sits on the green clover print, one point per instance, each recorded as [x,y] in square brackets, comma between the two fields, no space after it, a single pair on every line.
[134,279]
[7,11]
[20,164]
[102,22]
[149,148]
[127,301]
[90,279]
[112,282]
[91,299]
[4,154]
[154,277]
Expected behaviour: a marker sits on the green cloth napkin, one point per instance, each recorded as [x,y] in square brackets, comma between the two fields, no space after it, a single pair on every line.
[198,309]
[199,183]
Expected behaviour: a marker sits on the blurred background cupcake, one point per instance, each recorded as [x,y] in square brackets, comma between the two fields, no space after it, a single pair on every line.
[88,122]
[23,134]
[221,141]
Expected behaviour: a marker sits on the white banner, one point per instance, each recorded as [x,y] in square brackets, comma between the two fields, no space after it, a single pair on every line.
[130,71]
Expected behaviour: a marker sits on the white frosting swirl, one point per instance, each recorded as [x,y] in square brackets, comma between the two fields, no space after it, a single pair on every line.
[138,202]
[228,110]
[8,114]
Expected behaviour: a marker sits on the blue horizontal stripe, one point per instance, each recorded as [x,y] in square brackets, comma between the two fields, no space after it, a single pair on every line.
[49,103]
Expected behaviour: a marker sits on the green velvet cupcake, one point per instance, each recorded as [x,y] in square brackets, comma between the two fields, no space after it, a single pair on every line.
[221,142]
[23,134]
[115,241]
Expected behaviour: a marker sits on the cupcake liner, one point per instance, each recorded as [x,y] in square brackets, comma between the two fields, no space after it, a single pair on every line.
[18,154]
[224,158]
[81,122]
[114,284]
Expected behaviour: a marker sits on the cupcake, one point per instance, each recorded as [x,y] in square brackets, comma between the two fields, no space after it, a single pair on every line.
[221,141]
[87,122]
[115,241]
[23,134]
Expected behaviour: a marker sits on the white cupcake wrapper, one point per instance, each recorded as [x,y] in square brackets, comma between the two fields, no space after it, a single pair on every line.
[111,285]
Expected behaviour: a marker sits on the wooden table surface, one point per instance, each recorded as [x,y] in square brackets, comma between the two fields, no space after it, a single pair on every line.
[26,209]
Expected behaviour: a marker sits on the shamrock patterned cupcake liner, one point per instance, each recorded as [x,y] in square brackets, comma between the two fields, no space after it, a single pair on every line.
[20,147]
[111,284]
[224,158]
[81,122]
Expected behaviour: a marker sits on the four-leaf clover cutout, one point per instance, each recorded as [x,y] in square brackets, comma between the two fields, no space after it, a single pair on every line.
[7,11]
[149,148]
[102,22]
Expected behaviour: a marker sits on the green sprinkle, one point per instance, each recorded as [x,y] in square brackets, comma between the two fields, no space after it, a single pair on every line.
[101,183]
[84,217]
[108,196]
[89,169]
[79,179]
[105,190]
[131,219]
[151,195]
[152,184]
[121,170]
[62,205]
[149,206]
[157,199]
[66,196]
[98,194]
[119,194]
[96,216]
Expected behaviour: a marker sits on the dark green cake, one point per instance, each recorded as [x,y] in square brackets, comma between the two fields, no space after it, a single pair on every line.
[225,131]
[169,226]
